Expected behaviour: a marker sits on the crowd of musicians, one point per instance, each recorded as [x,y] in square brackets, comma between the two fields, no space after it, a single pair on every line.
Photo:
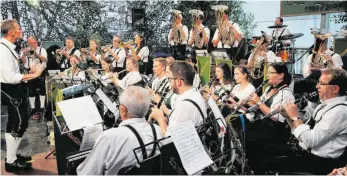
[175,94]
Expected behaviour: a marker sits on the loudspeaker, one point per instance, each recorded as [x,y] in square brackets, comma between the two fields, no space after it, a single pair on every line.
[138,17]
[51,47]
[340,46]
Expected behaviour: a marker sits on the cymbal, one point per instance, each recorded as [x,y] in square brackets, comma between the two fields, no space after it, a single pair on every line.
[277,26]
[291,36]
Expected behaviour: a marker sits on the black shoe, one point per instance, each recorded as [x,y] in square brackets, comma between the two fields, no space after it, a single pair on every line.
[24,158]
[17,165]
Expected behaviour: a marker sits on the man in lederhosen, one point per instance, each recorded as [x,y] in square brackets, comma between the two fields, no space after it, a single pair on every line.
[14,94]
[31,57]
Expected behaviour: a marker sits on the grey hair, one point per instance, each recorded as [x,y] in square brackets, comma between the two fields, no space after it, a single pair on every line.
[180,16]
[136,99]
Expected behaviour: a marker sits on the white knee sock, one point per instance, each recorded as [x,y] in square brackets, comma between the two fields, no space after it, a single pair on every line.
[12,145]
[32,102]
[42,101]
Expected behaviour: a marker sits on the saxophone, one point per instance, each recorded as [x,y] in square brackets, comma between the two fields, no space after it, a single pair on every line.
[257,66]
[227,35]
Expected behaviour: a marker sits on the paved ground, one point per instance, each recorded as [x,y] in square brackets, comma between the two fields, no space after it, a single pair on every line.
[34,143]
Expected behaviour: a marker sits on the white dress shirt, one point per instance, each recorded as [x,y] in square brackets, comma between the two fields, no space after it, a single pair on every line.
[113,149]
[271,57]
[76,53]
[120,52]
[185,39]
[281,99]
[143,53]
[10,72]
[130,79]
[336,59]
[35,61]
[185,110]
[220,44]
[243,94]
[207,31]
[76,76]
[277,33]
[328,138]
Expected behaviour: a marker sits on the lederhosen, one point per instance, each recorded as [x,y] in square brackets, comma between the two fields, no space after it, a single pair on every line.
[64,61]
[15,97]
[37,83]
[266,138]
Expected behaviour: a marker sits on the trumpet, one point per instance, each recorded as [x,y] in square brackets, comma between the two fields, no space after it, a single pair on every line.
[59,54]
[85,51]
[106,48]
[122,44]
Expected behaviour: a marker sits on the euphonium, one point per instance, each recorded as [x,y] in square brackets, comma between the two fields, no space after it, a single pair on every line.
[256,66]
[176,35]
[225,31]
[59,54]
[197,33]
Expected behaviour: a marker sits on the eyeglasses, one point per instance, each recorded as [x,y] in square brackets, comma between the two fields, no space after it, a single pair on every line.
[323,84]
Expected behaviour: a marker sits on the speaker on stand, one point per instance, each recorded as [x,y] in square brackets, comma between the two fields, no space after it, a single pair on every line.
[138,18]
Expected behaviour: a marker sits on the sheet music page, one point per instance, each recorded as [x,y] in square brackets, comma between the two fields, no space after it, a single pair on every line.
[217,114]
[91,134]
[79,112]
[190,149]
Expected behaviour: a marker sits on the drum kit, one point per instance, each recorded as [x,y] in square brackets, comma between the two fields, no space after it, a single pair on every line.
[280,46]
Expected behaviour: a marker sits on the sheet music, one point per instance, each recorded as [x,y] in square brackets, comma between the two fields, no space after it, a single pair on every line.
[91,134]
[79,112]
[217,114]
[190,149]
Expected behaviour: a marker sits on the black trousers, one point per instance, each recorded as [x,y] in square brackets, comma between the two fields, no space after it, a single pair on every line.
[15,97]
[38,83]
[305,164]
[178,51]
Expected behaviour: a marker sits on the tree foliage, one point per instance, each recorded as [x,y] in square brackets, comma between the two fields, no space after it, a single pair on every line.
[54,20]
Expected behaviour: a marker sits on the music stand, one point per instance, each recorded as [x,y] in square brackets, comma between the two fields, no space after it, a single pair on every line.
[220,54]
[201,53]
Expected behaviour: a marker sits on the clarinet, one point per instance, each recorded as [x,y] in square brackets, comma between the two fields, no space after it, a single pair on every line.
[246,101]
[297,101]
[162,98]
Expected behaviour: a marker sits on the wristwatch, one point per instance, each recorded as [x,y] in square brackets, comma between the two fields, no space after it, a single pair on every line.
[294,119]
[259,103]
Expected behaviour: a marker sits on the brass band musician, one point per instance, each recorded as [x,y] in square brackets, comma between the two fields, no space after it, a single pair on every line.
[65,53]
[228,34]
[199,34]
[90,55]
[178,35]
[116,53]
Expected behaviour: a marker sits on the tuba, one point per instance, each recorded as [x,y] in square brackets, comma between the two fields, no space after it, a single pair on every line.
[176,35]
[256,66]
[318,60]
[198,40]
[227,36]
[59,54]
